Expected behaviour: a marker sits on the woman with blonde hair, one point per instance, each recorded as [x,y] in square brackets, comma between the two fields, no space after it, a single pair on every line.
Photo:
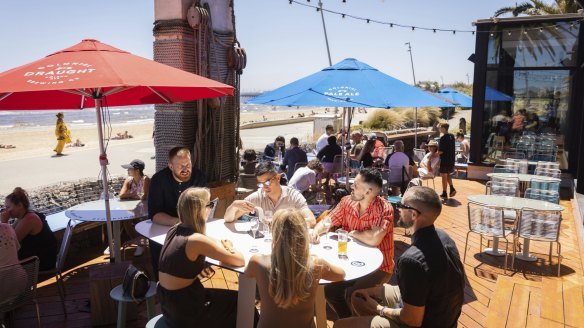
[184,300]
[287,279]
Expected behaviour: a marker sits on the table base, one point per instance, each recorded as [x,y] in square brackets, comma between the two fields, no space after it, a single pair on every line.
[524,257]
[494,252]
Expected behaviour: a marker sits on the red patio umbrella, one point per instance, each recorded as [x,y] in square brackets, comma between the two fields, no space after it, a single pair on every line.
[91,72]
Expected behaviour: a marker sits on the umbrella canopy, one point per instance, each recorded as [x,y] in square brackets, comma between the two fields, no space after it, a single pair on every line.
[349,83]
[456,97]
[496,95]
[91,72]
[73,77]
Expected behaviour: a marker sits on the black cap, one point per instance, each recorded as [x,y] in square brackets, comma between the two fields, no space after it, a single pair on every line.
[135,164]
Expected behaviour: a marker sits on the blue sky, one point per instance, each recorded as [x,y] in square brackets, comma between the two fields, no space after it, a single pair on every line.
[284,42]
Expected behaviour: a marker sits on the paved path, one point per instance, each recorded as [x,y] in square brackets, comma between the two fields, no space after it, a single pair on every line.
[38,171]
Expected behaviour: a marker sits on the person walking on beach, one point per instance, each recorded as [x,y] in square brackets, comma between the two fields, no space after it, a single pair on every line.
[62,134]
[447,151]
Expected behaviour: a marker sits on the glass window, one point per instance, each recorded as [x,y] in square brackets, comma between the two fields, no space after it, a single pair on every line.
[542,45]
[524,111]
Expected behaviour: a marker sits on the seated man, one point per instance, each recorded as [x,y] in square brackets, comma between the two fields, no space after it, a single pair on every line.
[399,164]
[304,179]
[271,196]
[430,276]
[294,155]
[369,218]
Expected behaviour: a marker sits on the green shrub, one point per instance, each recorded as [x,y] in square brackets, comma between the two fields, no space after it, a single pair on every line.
[383,119]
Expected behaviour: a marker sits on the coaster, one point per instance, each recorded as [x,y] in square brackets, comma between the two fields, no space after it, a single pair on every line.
[357,263]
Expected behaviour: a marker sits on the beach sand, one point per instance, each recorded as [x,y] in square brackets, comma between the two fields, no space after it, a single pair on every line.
[33,142]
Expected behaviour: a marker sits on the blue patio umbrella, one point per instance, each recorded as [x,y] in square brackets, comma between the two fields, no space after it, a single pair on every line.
[456,97]
[492,94]
[349,83]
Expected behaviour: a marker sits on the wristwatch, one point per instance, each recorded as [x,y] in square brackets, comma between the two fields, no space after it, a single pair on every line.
[381,312]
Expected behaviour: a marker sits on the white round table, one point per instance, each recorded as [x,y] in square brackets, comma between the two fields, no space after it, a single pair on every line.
[119,210]
[523,177]
[361,260]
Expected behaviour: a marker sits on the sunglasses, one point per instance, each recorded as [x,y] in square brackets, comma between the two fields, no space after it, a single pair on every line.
[267,183]
[406,207]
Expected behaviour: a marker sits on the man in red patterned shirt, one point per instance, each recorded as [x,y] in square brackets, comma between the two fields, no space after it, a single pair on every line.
[369,219]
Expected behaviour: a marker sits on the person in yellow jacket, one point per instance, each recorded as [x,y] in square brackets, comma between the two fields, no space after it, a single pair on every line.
[62,134]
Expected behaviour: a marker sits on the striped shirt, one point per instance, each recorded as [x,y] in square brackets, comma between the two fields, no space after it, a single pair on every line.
[378,214]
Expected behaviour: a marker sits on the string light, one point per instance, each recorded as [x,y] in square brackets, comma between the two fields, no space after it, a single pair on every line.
[433,29]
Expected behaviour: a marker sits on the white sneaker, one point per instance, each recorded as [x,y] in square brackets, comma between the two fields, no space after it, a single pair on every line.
[139,251]
[106,251]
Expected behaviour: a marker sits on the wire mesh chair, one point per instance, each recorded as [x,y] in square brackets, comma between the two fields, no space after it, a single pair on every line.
[540,226]
[514,155]
[548,165]
[487,221]
[21,280]
[521,165]
[502,187]
[501,168]
[544,185]
[545,195]
[419,155]
[554,173]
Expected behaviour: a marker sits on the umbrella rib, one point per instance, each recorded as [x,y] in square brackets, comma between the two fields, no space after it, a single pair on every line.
[116,90]
[159,95]
[219,91]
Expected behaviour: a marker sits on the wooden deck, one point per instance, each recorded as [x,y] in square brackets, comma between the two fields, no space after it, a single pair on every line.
[530,296]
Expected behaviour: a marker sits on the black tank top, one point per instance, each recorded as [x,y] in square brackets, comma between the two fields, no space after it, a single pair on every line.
[173,258]
[43,245]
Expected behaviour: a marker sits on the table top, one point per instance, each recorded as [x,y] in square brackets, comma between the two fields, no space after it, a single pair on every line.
[515,203]
[362,259]
[523,177]
[343,180]
[119,210]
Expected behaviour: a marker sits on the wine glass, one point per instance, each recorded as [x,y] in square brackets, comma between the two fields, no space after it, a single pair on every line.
[267,224]
[254,224]
[326,222]
[319,198]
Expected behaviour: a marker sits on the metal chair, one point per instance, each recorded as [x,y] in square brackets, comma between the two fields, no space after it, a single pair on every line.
[514,155]
[501,168]
[544,185]
[503,187]
[299,165]
[419,155]
[22,277]
[487,221]
[248,181]
[540,226]
[545,195]
[554,173]
[387,151]
[61,256]
[521,165]
[548,165]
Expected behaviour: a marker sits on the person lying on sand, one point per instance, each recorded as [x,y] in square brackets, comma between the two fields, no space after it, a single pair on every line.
[7,146]
[124,135]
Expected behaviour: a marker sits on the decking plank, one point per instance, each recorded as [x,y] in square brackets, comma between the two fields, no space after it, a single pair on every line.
[499,307]
[552,307]
[518,308]
[573,292]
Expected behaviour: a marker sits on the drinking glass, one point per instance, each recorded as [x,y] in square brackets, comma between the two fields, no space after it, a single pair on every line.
[342,238]
[267,225]
[326,222]
[254,224]
[319,197]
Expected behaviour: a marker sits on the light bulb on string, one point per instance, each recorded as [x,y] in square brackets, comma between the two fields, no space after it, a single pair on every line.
[509,33]
[434,30]
[367,20]
[453,32]
[317,9]
[343,15]
[391,25]
[413,28]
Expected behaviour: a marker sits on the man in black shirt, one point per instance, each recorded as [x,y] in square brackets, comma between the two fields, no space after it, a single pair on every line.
[430,276]
[165,188]
[447,151]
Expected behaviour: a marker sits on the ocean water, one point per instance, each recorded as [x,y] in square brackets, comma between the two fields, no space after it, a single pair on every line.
[30,119]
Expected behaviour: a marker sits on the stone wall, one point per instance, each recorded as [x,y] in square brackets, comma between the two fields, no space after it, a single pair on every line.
[58,197]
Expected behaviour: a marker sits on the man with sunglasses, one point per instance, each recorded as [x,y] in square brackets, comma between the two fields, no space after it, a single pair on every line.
[429,274]
[165,188]
[270,196]
[369,218]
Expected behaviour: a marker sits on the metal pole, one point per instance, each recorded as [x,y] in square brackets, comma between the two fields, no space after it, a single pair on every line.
[328,51]
[411,60]
[114,249]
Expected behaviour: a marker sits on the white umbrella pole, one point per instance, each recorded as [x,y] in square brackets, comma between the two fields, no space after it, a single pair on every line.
[114,249]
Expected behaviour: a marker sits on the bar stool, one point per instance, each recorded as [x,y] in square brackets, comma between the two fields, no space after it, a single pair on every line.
[118,295]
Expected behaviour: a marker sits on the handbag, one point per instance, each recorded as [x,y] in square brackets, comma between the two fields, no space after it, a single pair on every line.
[136,283]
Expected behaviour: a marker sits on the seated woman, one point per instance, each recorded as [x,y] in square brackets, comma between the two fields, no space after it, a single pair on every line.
[249,161]
[287,279]
[135,187]
[462,157]
[16,282]
[365,158]
[275,151]
[183,299]
[32,230]
[431,162]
